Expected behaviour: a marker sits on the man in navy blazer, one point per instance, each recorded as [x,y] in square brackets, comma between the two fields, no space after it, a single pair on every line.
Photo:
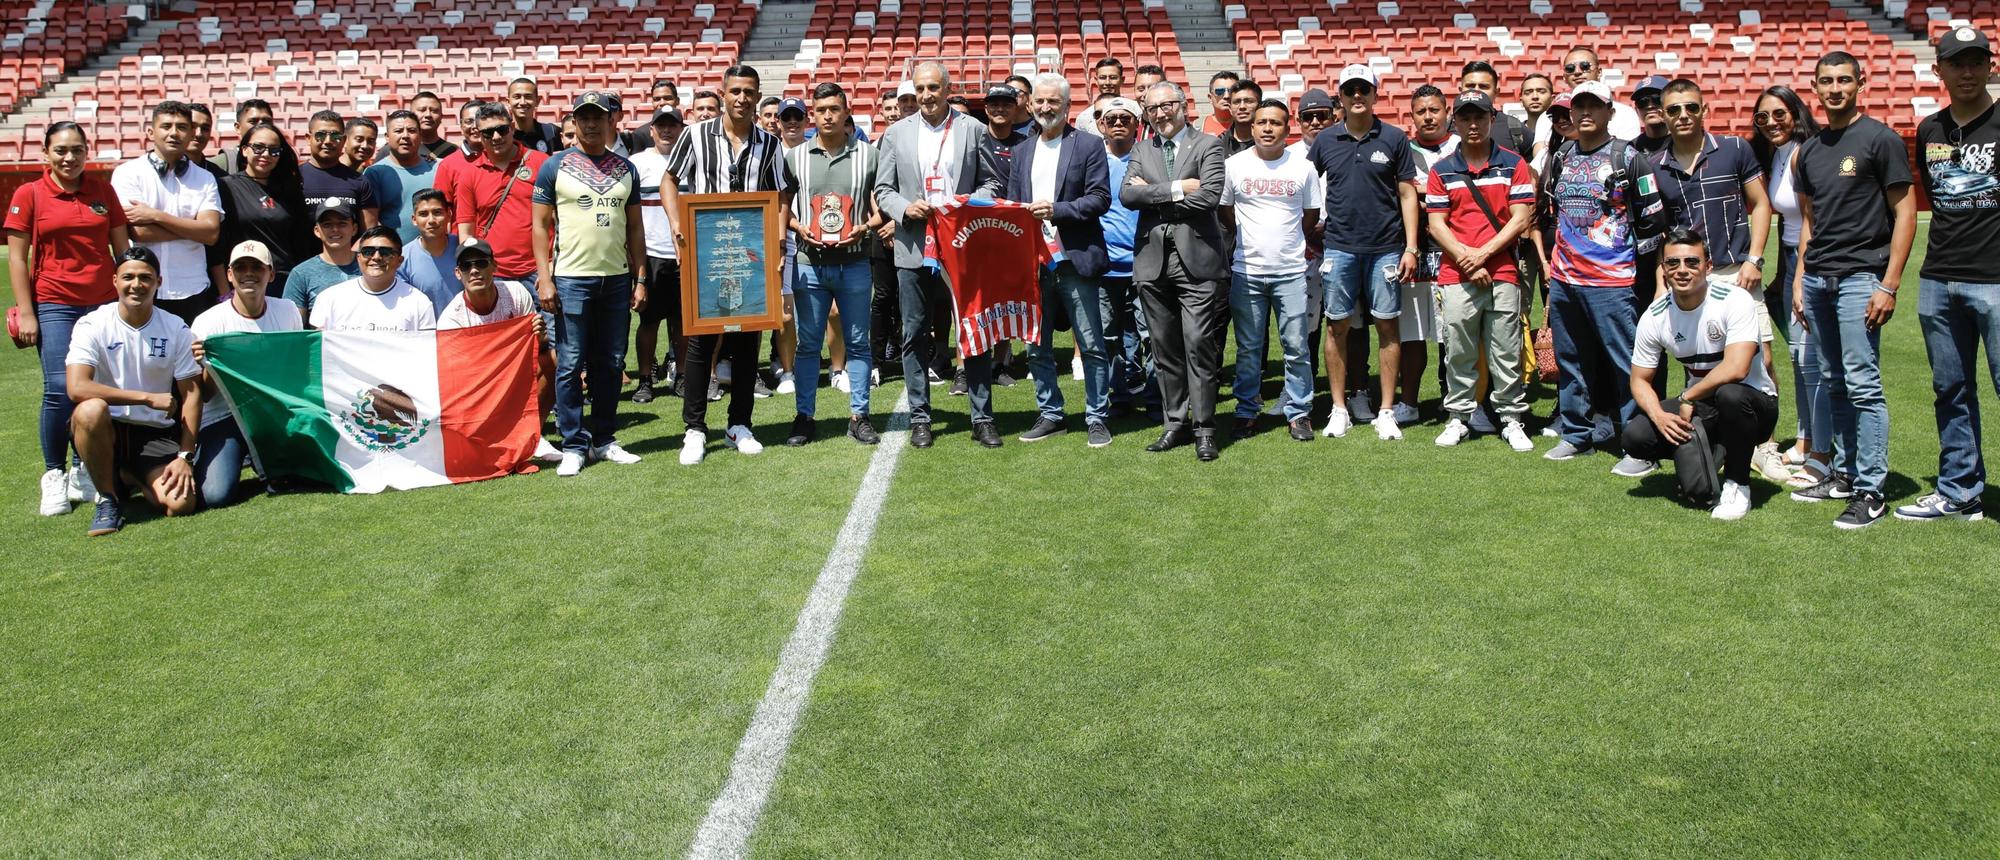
[1063,177]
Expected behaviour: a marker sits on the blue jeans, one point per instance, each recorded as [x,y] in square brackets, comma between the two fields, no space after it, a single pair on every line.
[1252,299]
[922,293]
[1808,389]
[592,325]
[55,322]
[1850,356]
[1352,278]
[820,288]
[1594,328]
[1956,317]
[218,462]
[1125,337]
[1080,296]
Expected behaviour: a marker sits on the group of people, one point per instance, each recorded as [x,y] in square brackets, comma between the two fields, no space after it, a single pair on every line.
[1642,232]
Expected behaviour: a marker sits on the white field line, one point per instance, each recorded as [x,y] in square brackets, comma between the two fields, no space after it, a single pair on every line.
[725,832]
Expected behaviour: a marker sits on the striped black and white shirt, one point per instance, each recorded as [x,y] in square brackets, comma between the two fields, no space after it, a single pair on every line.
[703,161]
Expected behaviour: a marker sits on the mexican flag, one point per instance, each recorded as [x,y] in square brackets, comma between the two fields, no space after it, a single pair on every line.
[366,411]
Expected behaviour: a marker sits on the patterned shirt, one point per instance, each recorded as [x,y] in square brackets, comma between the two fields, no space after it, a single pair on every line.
[592,196]
[1710,199]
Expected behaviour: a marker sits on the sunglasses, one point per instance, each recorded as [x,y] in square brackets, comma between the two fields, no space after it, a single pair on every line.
[1647,103]
[1115,119]
[377,251]
[477,264]
[1584,66]
[1221,91]
[264,149]
[1684,109]
[1316,116]
[1766,118]
[327,135]
[1671,263]
[495,131]
[1559,115]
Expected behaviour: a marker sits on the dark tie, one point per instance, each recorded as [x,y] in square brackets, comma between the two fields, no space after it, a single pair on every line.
[1167,152]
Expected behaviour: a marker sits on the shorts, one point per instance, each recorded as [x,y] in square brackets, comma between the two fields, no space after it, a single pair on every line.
[1725,277]
[663,292]
[1419,319]
[140,448]
[1346,275]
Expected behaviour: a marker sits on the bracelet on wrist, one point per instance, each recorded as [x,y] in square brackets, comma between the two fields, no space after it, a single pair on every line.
[1882,289]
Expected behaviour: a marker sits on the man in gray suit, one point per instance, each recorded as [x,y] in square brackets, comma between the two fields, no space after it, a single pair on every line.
[1181,262]
[927,159]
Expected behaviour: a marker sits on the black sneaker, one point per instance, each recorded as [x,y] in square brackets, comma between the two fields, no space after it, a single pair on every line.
[920,435]
[1302,429]
[1099,435]
[109,519]
[1862,511]
[803,431]
[958,386]
[644,392]
[860,430]
[1833,486]
[1043,429]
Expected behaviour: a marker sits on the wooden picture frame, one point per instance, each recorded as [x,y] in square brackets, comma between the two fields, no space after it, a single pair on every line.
[730,271]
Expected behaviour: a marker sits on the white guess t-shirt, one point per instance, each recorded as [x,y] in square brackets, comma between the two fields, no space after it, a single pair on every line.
[349,306]
[1697,337]
[513,301]
[279,315]
[150,358]
[1271,199]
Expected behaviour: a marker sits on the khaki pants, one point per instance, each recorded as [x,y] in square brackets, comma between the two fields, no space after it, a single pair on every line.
[1488,319]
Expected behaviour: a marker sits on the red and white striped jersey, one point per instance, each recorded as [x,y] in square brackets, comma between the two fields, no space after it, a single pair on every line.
[991,253]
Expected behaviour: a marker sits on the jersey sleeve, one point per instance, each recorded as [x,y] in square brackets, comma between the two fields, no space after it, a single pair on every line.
[545,183]
[184,364]
[1646,342]
[1522,189]
[83,339]
[1436,199]
[1739,322]
[21,210]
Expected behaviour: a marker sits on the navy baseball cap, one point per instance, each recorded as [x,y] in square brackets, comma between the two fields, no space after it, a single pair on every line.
[1315,99]
[1004,92]
[1654,83]
[597,100]
[792,104]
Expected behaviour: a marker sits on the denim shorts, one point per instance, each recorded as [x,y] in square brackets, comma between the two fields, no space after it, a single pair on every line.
[1345,276]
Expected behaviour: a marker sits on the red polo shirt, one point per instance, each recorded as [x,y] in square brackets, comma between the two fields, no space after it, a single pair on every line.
[480,188]
[70,237]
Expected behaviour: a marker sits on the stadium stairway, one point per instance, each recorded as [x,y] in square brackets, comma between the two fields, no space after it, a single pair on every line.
[773,46]
[33,114]
[1207,46]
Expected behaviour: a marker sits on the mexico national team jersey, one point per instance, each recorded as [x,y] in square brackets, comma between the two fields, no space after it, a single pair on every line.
[1698,337]
[992,253]
[589,196]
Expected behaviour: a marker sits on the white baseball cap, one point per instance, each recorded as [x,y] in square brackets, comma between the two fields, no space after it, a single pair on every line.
[906,88]
[1356,72]
[250,249]
[1594,89]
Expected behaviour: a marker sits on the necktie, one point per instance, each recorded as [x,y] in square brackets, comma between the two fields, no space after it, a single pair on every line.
[1167,150]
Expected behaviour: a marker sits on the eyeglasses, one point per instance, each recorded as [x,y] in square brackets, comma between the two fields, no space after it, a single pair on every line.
[1583,66]
[1671,263]
[1684,109]
[264,149]
[1163,107]
[377,251]
[1768,117]
[327,135]
[477,264]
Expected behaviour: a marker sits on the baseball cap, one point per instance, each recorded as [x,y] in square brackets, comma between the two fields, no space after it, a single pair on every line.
[1120,104]
[1593,89]
[1561,101]
[665,113]
[1003,92]
[250,249]
[1961,40]
[1356,72]
[598,100]
[1315,99]
[792,104]
[475,249]
[335,206]
[906,88]
[1472,100]
[1656,83]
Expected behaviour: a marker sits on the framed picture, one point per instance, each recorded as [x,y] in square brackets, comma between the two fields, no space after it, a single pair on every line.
[730,278]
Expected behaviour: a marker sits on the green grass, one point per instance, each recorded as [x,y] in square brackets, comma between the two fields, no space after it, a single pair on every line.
[1344,648]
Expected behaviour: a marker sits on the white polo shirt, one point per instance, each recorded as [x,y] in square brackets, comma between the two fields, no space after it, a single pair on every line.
[185,193]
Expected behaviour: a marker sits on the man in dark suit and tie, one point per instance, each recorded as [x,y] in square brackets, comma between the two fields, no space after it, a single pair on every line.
[1181,262]
[1063,177]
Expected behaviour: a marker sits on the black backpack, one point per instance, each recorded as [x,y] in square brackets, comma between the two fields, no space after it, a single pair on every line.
[1644,209]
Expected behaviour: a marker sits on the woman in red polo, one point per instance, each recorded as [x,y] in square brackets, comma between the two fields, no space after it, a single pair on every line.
[62,232]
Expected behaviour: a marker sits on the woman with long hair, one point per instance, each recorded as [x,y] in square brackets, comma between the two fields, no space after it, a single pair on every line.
[1782,121]
[265,201]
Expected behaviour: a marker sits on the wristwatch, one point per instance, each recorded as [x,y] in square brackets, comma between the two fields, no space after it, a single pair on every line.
[186,455]
[1755,260]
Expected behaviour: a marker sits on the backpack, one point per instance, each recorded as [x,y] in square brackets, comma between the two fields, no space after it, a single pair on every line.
[1644,209]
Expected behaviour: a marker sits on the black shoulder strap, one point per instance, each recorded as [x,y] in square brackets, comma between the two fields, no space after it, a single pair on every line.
[1478,199]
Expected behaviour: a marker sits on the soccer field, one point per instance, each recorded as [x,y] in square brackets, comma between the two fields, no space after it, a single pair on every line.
[1348,648]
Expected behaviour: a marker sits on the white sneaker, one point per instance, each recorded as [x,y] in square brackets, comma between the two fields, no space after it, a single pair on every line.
[691,447]
[1405,413]
[615,454]
[1076,367]
[572,463]
[1770,464]
[723,373]
[740,438]
[55,493]
[1386,427]
[1482,421]
[1735,502]
[1551,431]
[787,384]
[81,490]
[546,452]
[1337,423]
[1517,437]
[874,377]
[1454,432]
[1359,407]
[840,381]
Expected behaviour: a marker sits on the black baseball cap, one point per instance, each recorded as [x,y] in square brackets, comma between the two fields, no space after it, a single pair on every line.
[1472,100]
[1960,40]
[473,249]
[335,206]
[1004,92]
[597,100]
[1315,99]
[668,113]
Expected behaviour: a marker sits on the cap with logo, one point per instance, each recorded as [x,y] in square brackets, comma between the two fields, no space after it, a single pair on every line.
[334,206]
[667,112]
[1593,89]
[1562,100]
[1473,100]
[791,105]
[1119,104]
[250,249]
[1960,40]
[1004,93]
[1356,72]
[1315,99]
[473,249]
[1653,83]
[597,100]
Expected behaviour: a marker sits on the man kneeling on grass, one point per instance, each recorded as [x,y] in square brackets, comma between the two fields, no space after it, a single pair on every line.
[134,380]
[1731,404]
